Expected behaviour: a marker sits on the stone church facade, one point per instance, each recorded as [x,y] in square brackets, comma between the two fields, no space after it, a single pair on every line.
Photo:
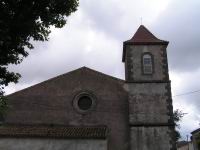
[88,110]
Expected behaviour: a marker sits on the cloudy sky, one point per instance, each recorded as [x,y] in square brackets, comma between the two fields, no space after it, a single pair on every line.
[93,37]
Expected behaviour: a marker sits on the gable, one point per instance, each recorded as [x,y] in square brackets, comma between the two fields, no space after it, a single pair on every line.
[51,102]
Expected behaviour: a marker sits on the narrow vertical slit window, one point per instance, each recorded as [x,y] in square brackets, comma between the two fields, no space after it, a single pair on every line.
[147,64]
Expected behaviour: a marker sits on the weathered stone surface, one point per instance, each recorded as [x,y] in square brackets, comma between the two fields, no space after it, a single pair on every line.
[133,64]
[150,138]
[51,144]
[148,103]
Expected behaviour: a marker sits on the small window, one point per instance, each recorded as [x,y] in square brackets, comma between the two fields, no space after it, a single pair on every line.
[85,103]
[147,64]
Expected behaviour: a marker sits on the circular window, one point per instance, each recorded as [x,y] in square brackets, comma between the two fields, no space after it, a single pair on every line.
[85,102]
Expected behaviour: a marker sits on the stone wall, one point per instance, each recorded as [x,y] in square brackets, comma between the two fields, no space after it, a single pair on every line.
[148,103]
[150,138]
[133,63]
[51,144]
[150,116]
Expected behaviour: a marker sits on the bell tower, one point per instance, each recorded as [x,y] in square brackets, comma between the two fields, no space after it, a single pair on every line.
[149,88]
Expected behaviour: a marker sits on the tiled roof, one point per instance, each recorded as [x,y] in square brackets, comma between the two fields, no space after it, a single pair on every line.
[142,37]
[54,132]
[196,131]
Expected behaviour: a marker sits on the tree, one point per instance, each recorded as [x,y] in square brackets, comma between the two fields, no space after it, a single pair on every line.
[22,21]
[3,106]
[177,116]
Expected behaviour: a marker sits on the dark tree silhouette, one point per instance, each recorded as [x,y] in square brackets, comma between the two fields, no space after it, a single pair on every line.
[22,21]
[177,116]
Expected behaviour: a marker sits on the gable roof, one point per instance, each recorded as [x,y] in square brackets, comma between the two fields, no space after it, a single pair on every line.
[82,70]
[54,132]
[196,131]
[142,37]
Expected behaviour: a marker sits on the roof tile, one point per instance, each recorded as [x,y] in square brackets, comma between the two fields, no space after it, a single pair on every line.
[144,36]
[54,132]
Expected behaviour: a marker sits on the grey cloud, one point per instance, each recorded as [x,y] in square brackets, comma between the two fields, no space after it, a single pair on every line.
[180,25]
[105,16]
[189,83]
[177,24]
[188,103]
[49,59]
[113,17]
[65,53]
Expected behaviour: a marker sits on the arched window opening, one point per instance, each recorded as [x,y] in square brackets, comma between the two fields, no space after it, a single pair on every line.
[147,64]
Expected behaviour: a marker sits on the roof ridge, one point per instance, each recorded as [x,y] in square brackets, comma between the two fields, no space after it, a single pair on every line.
[103,74]
[142,26]
[46,81]
[84,68]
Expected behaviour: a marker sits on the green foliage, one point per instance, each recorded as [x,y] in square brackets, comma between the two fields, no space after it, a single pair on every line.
[22,21]
[25,20]
[3,105]
[177,116]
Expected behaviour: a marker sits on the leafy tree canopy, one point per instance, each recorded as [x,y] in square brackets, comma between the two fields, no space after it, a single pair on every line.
[25,20]
[177,116]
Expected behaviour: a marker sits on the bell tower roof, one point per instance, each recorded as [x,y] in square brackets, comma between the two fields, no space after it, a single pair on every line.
[143,37]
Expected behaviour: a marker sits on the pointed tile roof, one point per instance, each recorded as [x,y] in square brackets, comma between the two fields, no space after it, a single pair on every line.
[143,37]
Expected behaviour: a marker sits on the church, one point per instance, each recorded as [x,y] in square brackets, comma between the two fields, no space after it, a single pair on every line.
[88,110]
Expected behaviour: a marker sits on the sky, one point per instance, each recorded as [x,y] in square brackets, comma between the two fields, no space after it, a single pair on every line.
[94,36]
